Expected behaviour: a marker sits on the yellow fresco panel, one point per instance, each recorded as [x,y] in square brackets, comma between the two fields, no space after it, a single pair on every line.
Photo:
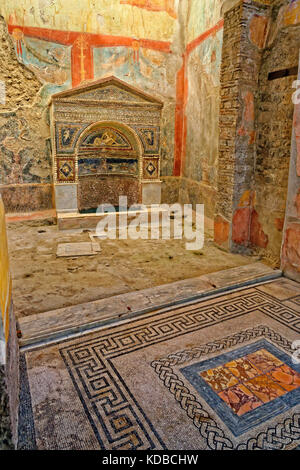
[5,280]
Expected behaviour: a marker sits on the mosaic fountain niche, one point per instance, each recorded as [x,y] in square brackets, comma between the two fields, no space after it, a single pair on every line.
[106,144]
[109,163]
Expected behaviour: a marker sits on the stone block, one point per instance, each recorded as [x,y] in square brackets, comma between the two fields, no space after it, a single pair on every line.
[151,193]
[66,197]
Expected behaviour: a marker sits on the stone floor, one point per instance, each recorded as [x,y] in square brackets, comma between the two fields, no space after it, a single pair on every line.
[43,282]
[212,374]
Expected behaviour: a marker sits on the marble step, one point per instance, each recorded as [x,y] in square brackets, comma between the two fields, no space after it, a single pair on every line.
[77,319]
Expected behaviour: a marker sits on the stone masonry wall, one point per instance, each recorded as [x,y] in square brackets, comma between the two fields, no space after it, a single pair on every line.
[25,168]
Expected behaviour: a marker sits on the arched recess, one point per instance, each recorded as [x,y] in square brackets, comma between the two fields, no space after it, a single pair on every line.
[109,158]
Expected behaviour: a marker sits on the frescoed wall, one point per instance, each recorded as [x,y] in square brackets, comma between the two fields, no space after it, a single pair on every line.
[198,85]
[274,118]
[61,45]
[5,285]
[290,261]
[173,50]
[168,48]
[9,357]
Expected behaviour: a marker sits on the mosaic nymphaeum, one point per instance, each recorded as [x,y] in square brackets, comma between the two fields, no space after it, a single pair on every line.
[250,381]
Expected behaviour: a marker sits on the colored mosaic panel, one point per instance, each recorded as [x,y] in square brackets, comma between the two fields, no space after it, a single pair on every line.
[151,168]
[263,360]
[65,170]
[219,379]
[107,166]
[240,399]
[149,137]
[67,135]
[248,385]
[242,369]
[248,382]
[105,138]
[109,93]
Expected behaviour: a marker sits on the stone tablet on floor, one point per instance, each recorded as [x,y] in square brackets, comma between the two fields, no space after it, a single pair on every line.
[77,249]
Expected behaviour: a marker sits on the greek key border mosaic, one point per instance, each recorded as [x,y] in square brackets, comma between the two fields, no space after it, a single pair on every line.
[296,300]
[116,416]
[107,400]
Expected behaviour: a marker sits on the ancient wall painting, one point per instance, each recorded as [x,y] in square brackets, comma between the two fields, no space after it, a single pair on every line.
[21,160]
[167,6]
[138,65]
[134,18]
[292,13]
[108,166]
[150,137]
[5,277]
[50,62]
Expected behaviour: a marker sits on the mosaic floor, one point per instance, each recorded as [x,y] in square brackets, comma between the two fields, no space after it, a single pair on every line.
[217,374]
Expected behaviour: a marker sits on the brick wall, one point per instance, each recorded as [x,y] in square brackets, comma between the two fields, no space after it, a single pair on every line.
[256,125]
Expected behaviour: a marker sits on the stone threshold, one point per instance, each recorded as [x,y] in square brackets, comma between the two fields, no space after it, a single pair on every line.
[79,221]
[78,319]
[49,214]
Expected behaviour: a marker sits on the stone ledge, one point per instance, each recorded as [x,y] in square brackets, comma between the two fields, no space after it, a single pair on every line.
[57,324]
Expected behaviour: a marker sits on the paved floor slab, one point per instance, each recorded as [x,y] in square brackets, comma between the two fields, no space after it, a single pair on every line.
[77,249]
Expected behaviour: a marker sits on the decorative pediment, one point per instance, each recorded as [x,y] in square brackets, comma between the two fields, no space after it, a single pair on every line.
[107,90]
